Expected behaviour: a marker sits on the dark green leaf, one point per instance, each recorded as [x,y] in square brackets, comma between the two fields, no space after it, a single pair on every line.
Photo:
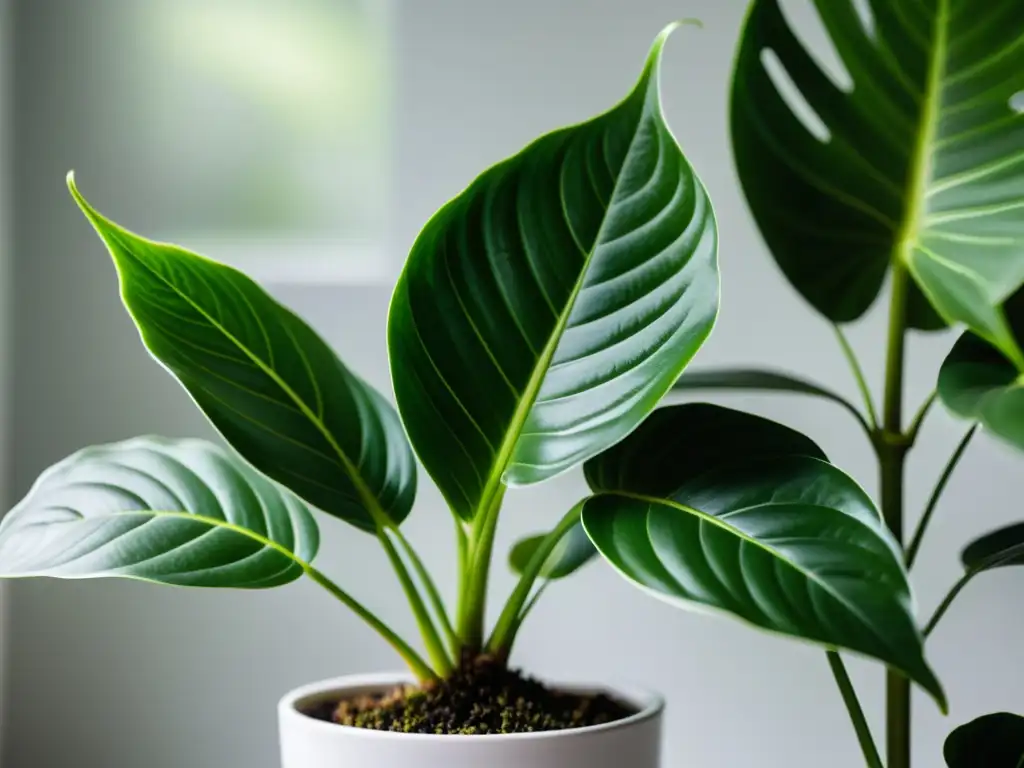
[757,379]
[1000,548]
[713,508]
[918,161]
[265,379]
[992,741]
[181,512]
[980,383]
[572,553]
[545,310]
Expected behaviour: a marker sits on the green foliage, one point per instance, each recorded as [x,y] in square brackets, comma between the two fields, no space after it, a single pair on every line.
[763,528]
[992,741]
[545,310]
[921,166]
[181,512]
[978,382]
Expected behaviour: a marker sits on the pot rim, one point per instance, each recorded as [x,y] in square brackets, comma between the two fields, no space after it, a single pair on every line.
[650,706]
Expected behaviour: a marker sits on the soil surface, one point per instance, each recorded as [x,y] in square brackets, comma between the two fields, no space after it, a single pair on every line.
[483,697]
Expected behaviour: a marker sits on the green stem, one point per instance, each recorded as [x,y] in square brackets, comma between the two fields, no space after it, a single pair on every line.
[933,502]
[433,594]
[435,648]
[922,413]
[860,723]
[505,630]
[948,601]
[419,667]
[891,447]
[858,374]
[481,548]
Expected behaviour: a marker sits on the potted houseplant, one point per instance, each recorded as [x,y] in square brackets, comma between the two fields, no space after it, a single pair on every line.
[541,317]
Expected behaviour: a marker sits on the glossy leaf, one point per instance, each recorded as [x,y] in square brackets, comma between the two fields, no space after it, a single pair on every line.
[998,549]
[272,387]
[180,512]
[992,741]
[757,380]
[918,160]
[573,551]
[544,311]
[711,508]
[980,383]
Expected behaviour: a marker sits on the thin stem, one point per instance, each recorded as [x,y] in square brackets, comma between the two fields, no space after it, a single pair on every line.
[505,630]
[860,723]
[433,594]
[947,602]
[533,601]
[858,374]
[933,502]
[435,648]
[481,548]
[922,413]
[892,452]
[419,667]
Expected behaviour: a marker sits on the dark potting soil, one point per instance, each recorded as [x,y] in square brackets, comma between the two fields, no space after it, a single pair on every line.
[482,697]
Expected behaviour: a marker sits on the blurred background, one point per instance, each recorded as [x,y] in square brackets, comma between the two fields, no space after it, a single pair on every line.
[306,141]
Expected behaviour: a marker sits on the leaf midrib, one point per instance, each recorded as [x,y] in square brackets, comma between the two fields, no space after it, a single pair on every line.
[369,500]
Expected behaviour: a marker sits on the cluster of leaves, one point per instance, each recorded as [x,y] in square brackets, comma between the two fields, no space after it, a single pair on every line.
[542,317]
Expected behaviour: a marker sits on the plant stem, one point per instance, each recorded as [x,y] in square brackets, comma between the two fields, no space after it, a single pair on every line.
[505,630]
[858,374]
[922,413]
[892,451]
[435,648]
[933,502]
[481,547]
[948,601]
[860,724]
[419,667]
[433,594]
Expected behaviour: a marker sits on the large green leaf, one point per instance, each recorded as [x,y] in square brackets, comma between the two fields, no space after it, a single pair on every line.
[573,551]
[992,741]
[980,383]
[713,508]
[265,379]
[544,311]
[181,512]
[922,163]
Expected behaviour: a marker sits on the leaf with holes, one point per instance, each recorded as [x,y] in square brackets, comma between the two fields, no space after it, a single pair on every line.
[711,508]
[992,741]
[544,311]
[922,164]
[980,383]
[180,512]
[265,379]
[572,552]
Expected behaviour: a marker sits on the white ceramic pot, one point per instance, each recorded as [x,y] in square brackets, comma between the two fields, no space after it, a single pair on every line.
[307,742]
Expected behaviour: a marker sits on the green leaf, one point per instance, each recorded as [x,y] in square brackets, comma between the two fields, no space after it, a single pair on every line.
[713,508]
[180,512]
[573,551]
[919,161]
[980,383]
[998,549]
[269,384]
[545,310]
[757,379]
[992,741]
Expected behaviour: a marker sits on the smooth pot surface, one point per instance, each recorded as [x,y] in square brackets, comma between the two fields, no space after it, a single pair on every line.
[310,743]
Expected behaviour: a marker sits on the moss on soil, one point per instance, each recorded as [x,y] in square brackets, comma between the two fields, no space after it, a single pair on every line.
[482,697]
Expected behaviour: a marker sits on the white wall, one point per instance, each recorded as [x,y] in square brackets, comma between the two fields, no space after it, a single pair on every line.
[136,675]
